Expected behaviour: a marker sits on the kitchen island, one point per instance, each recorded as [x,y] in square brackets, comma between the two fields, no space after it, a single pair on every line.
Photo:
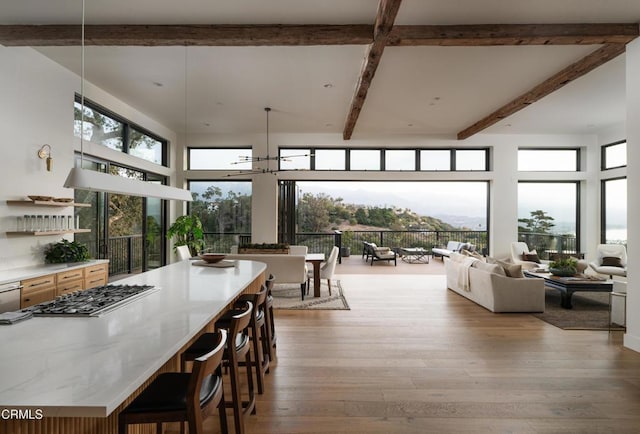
[73,375]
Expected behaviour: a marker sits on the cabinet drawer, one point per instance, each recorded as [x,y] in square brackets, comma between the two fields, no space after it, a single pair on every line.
[69,275]
[93,281]
[95,270]
[38,283]
[69,286]
[36,296]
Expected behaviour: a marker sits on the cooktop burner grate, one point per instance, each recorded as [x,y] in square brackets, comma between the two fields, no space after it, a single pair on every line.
[90,302]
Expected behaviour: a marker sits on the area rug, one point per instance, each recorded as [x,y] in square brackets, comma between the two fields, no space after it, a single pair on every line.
[590,311]
[287,296]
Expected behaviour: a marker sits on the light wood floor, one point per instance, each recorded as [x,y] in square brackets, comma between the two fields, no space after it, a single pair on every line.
[413,357]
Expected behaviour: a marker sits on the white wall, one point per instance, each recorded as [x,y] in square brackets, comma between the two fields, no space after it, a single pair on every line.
[632,336]
[36,107]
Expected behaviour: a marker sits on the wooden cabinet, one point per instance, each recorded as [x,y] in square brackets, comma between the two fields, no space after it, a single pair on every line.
[48,287]
[37,290]
[96,275]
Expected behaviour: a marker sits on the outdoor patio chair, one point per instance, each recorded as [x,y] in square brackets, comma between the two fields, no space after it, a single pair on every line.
[371,250]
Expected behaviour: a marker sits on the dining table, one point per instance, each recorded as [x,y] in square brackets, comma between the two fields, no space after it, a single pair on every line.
[315,259]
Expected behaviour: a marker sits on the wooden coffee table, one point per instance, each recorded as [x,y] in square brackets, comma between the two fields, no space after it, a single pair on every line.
[568,285]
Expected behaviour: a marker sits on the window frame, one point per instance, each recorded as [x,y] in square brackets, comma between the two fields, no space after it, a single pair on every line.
[603,207]
[201,148]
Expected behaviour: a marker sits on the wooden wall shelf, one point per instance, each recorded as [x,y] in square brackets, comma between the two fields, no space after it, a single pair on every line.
[46,203]
[45,233]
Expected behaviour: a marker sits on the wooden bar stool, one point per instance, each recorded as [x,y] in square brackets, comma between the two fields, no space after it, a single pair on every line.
[236,322]
[269,319]
[259,334]
[182,397]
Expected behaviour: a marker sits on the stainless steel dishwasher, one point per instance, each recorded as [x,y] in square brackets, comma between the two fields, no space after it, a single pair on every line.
[10,296]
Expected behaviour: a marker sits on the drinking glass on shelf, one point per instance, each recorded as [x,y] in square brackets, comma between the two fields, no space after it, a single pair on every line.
[39,227]
[33,223]
[20,223]
[70,222]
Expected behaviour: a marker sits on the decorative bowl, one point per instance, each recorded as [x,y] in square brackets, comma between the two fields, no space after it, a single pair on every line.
[211,258]
[40,198]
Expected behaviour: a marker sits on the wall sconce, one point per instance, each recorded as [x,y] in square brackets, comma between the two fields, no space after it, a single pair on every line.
[45,152]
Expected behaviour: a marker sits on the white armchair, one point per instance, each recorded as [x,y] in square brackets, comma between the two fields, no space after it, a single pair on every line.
[327,269]
[518,248]
[610,259]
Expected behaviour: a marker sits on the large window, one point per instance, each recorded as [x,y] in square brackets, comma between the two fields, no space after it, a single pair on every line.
[364,159]
[548,160]
[614,211]
[614,155]
[435,159]
[108,129]
[225,210]
[548,216]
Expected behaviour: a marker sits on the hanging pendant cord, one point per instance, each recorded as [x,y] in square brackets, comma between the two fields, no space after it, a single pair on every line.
[82,89]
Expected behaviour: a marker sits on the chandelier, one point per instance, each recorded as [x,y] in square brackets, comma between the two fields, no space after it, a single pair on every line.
[268,157]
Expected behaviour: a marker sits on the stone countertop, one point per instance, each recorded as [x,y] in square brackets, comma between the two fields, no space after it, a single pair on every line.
[86,367]
[30,272]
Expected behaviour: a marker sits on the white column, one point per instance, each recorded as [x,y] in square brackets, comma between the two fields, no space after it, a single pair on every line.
[632,336]
[504,200]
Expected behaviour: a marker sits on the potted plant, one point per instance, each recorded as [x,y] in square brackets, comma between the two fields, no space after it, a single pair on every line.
[66,251]
[563,267]
[264,248]
[187,230]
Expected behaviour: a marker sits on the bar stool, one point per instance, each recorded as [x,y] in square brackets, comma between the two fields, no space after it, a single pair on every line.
[259,333]
[182,397]
[238,323]
[271,328]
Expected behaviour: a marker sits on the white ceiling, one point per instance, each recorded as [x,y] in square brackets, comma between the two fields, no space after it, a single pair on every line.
[416,90]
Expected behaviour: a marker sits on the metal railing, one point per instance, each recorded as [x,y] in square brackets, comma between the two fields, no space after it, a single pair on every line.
[125,254]
[352,241]
[549,244]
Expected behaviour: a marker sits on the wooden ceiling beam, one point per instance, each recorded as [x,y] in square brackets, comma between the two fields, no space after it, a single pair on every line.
[387,12]
[513,34]
[257,35]
[197,35]
[558,80]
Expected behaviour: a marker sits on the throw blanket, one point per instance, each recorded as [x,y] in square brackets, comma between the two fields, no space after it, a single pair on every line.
[463,273]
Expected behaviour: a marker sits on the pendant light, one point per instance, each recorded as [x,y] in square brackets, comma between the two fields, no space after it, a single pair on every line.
[85,179]
[267,158]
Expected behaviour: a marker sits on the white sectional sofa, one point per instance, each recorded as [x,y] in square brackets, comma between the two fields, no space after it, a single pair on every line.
[488,285]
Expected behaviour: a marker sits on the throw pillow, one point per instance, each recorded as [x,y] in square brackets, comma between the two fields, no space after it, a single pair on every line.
[612,261]
[531,257]
[491,260]
[491,268]
[511,270]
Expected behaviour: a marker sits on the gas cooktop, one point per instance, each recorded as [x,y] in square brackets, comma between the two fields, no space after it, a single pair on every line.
[90,302]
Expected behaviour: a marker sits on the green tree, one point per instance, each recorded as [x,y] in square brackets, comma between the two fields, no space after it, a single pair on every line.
[539,223]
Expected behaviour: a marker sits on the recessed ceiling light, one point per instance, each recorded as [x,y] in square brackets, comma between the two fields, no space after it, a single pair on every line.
[207,124]
[328,125]
[409,125]
[157,84]
[327,85]
[507,125]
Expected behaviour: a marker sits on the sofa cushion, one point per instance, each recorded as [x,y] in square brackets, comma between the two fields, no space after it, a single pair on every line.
[473,255]
[490,268]
[511,270]
[611,261]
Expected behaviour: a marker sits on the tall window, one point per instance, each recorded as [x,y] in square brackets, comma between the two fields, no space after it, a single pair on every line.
[548,216]
[614,211]
[110,130]
[225,210]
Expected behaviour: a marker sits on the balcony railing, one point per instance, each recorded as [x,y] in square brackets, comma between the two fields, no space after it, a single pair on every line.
[125,254]
[322,242]
[549,244]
